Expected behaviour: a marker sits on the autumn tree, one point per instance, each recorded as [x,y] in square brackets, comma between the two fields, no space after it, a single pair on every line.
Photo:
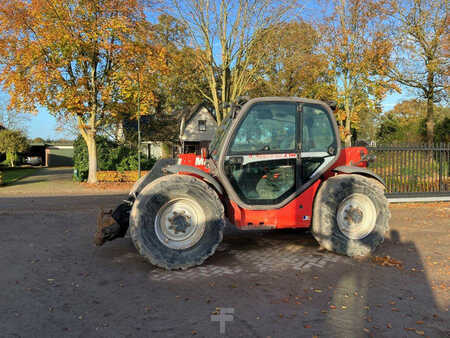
[420,30]
[358,54]
[11,143]
[406,122]
[13,119]
[182,84]
[224,31]
[78,57]
[289,61]
[175,89]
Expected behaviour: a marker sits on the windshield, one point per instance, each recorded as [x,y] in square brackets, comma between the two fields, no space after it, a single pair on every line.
[216,142]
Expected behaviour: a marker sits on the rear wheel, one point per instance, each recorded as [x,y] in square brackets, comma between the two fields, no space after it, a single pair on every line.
[177,222]
[351,215]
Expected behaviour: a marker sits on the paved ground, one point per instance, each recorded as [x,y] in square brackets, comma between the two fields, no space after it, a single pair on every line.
[54,282]
[51,182]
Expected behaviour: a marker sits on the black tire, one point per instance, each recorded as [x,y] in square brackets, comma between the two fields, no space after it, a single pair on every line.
[157,197]
[336,196]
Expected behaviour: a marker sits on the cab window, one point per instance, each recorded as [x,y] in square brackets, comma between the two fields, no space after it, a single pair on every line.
[317,130]
[267,127]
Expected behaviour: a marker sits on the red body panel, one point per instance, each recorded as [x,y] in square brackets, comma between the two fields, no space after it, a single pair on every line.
[351,156]
[296,214]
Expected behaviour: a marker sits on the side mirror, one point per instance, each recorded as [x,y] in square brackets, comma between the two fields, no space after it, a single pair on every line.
[332,105]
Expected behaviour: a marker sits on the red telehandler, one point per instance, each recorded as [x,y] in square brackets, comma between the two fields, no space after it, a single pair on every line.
[275,163]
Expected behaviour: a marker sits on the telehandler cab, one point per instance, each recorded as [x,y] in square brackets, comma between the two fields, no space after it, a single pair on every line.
[275,163]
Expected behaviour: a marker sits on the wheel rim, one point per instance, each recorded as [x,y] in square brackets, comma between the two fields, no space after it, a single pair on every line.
[356,216]
[180,223]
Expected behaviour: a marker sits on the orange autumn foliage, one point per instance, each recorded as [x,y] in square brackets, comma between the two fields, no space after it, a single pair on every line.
[79,58]
[119,176]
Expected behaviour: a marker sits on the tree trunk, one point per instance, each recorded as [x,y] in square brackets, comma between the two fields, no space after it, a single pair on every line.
[89,137]
[165,150]
[347,128]
[430,120]
[12,157]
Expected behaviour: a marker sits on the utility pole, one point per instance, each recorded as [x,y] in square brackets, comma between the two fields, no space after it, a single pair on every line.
[139,124]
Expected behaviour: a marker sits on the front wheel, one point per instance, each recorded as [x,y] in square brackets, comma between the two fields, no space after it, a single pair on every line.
[351,215]
[177,222]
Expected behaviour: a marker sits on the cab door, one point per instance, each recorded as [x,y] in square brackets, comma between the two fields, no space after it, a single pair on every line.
[262,160]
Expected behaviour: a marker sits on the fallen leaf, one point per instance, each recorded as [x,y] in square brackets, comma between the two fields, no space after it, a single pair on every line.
[387,261]
[332,307]
[420,333]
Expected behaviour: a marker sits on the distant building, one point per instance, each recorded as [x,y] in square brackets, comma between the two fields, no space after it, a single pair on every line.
[53,155]
[59,155]
[197,128]
[166,135]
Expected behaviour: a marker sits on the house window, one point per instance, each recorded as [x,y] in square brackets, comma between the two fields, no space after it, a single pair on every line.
[202,125]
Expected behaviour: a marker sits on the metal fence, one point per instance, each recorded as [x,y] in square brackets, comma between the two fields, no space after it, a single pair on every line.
[413,170]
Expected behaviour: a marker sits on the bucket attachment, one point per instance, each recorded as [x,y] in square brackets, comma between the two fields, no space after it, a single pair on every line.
[108,228]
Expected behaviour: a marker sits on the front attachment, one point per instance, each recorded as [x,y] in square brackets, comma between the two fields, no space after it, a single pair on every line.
[112,224]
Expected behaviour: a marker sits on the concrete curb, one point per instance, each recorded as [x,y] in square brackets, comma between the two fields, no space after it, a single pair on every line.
[418,199]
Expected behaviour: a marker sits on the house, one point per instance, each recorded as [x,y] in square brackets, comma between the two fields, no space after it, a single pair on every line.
[165,135]
[197,128]
[158,134]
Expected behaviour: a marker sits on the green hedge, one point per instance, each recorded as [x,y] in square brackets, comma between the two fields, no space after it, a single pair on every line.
[110,156]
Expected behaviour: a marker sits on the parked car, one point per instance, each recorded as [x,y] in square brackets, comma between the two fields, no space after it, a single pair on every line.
[33,160]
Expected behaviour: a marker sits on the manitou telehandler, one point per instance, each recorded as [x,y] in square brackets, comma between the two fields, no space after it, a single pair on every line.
[274,163]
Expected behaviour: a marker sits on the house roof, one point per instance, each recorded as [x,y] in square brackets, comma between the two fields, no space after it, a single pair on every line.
[154,127]
[189,113]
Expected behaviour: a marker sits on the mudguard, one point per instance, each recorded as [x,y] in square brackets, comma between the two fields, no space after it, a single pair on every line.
[174,169]
[349,169]
[156,172]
